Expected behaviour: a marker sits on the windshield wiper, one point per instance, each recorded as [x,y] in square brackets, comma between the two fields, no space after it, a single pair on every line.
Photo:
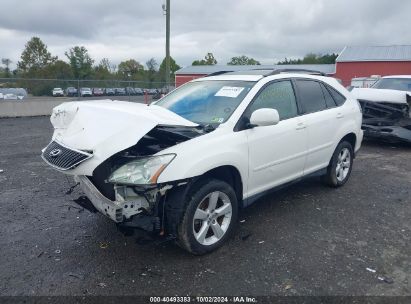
[207,127]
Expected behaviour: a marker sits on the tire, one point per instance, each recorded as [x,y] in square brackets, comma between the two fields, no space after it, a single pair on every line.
[340,167]
[203,231]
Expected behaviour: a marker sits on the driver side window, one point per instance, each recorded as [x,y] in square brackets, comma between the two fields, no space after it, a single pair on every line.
[277,95]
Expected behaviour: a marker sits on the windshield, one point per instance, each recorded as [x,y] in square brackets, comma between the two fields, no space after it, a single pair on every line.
[400,84]
[207,102]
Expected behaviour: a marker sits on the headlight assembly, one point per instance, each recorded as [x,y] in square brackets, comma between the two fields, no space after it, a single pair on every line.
[143,171]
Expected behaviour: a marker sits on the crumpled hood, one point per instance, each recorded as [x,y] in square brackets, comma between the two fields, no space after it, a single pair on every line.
[106,127]
[380,95]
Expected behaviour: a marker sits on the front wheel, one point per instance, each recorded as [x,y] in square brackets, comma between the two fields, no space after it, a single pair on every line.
[340,167]
[209,218]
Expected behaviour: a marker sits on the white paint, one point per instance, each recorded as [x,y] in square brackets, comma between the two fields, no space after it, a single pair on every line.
[106,127]
[265,157]
[265,117]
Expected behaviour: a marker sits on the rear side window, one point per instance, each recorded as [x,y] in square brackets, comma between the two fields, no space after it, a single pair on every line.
[338,97]
[277,95]
[329,100]
[311,96]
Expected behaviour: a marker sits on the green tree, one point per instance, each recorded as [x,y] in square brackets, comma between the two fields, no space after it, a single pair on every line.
[6,62]
[312,58]
[151,73]
[208,60]
[34,57]
[104,70]
[243,60]
[130,69]
[80,62]
[173,68]
[59,70]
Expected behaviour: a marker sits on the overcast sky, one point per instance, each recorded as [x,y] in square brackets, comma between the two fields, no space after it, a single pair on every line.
[267,30]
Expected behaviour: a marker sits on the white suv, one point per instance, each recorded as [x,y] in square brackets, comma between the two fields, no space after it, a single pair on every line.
[183,166]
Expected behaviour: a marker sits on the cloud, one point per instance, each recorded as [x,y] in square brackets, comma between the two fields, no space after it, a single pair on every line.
[267,30]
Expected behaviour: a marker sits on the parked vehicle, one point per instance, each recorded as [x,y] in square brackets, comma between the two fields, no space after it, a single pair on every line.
[157,95]
[398,83]
[364,82]
[98,92]
[182,167]
[386,109]
[86,92]
[71,92]
[120,91]
[109,92]
[139,91]
[13,93]
[130,91]
[58,92]
[152,91]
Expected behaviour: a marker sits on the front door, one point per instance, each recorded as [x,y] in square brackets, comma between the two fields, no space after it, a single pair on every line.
[277,153]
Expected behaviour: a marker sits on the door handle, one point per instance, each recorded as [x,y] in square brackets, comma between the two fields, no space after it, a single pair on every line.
[300,126]
[340,115]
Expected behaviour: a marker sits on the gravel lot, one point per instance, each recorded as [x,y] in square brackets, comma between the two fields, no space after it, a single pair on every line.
[305,240]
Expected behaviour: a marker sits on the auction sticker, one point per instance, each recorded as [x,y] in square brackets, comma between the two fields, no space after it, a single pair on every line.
[231,92]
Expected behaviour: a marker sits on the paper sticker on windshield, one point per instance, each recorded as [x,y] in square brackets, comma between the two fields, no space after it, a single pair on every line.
[231,92]
[217,120]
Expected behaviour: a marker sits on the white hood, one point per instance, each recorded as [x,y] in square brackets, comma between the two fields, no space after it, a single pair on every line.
[380,95]
[107,127]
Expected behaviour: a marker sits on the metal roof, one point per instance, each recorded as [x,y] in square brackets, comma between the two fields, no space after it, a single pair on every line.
[375,53]
[208,69]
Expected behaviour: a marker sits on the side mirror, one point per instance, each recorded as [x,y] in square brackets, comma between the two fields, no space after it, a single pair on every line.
[264,117]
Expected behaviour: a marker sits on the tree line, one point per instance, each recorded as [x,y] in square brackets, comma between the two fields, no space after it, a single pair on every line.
[312,59]
[36,62]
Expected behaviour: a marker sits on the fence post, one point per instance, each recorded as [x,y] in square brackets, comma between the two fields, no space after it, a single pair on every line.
[78,89]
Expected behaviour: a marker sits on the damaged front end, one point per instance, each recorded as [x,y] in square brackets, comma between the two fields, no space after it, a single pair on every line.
[386,116]
[113,150]
[125,188]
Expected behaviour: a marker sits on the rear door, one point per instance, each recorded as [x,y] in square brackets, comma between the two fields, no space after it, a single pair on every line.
[320,117]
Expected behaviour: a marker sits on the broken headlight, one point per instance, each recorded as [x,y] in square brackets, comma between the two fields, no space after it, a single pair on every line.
[141,171]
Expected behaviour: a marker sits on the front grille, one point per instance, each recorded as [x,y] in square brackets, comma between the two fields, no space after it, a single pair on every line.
[63,158]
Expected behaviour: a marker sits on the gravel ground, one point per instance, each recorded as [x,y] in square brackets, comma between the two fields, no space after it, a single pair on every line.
[305,240]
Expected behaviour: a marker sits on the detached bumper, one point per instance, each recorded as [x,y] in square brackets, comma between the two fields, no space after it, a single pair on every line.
[392,134]
[112,209]
[127,214]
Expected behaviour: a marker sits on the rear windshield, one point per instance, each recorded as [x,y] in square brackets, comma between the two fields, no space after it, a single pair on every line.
[207,102]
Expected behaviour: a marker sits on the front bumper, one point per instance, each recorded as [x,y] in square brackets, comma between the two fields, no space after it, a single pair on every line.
[118,211]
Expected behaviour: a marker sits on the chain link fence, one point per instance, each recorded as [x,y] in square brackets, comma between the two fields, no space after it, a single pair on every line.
[72,89]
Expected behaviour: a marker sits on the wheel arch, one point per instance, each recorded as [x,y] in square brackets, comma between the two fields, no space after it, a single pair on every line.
[351,138]
[229,174]
[175,202]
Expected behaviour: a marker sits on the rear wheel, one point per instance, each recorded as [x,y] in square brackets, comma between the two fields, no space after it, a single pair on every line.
[340,167]
[209,218]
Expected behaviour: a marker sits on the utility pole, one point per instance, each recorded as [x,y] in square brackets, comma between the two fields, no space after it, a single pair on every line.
[167,9]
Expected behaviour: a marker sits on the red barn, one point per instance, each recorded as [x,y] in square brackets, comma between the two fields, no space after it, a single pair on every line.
[196,71]
[364,61]
[353,62]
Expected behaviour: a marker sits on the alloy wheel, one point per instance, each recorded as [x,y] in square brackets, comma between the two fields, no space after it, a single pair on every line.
[212,218]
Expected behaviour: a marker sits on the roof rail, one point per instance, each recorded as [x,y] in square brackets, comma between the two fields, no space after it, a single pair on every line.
[302,71]
[218,73]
